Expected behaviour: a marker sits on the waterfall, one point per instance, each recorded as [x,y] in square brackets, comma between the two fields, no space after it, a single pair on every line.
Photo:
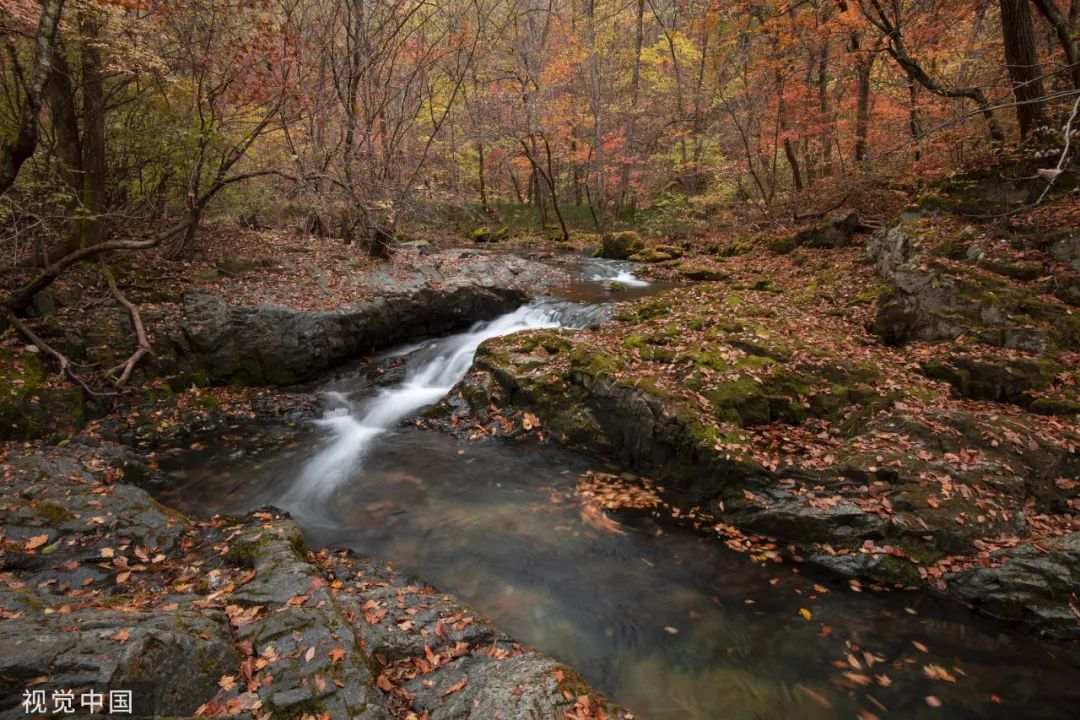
[433,368]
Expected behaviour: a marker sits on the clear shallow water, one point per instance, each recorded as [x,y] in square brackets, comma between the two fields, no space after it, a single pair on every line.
[668,623]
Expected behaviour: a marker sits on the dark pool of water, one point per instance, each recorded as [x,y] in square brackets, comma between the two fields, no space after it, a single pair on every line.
[669,623]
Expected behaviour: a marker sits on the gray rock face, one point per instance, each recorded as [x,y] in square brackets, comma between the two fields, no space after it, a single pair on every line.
[274,345]
[836,230]
[81,650]
[105,589]
[1036,585]
[932,301]
[1067,250]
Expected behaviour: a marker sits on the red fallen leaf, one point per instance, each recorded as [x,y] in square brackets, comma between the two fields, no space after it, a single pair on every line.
[37,541]
[455,687]
[337,654]
[858,678]
[383,683]
[121,636]
[297,600]
[123,577]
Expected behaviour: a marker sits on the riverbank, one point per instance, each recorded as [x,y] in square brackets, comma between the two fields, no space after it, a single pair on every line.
[896,407]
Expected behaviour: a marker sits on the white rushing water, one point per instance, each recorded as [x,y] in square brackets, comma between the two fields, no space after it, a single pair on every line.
[614,272]
[432,370]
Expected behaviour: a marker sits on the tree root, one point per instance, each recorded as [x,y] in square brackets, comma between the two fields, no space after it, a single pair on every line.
[125,368]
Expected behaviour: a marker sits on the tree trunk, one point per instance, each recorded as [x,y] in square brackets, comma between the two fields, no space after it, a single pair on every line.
[635,91]
[862,110]
[93,140]
[824,109]
[17,148]
[60,93]
[1063,28]
[1022,61]
[480,175]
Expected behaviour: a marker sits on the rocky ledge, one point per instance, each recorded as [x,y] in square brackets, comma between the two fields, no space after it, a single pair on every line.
[762,404]
[275,345]
[104,588]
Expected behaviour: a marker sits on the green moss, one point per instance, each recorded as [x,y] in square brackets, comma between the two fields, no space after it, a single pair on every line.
[755,362]
[870,294]
[53,513]
[594,362]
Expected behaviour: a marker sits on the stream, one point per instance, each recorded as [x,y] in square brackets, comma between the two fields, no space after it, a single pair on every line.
[667,622]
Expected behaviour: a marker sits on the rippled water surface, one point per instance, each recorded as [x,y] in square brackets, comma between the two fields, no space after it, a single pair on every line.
[667,622]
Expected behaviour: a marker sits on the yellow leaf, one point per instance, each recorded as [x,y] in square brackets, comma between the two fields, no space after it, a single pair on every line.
[806,614]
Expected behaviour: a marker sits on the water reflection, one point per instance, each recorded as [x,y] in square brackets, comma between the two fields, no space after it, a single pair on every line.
[668,623]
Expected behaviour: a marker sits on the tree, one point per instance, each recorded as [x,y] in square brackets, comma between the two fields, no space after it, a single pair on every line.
[891,27]
[1022,61]
[17,148]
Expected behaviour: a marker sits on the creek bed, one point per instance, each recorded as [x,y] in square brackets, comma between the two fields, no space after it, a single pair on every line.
[669,623]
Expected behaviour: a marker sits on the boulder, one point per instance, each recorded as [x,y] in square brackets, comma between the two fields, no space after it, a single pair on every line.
[836,230]
[1036,584]
[620,245]
[275,345]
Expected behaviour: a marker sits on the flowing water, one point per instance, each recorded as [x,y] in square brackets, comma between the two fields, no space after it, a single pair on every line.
[667,622]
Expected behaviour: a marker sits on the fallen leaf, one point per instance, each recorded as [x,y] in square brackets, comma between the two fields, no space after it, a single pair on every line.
[933,701]
[337,655]
[36,542]
[227,682]
[121,636]
[456,687]
[310,654]
[806,614]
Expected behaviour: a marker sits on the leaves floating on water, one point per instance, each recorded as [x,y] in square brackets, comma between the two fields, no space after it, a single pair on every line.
[595,518]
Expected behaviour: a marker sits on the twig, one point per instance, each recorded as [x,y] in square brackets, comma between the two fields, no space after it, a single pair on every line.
[1053,175]
[125,368]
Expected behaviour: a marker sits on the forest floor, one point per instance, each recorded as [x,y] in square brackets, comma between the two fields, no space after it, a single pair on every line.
[897,405]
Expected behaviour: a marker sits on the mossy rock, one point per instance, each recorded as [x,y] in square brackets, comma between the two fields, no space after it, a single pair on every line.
[485,234]
[30,409]
[620,245]
[650,256]
[783,246]
[701,272]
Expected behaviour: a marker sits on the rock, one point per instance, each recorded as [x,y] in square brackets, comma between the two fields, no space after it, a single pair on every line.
[231,601]
[982,377]
[1067,249]
[836,230]
[700,271]
[932,301]
[1067,289]
[1029,583]
[29,407]
[485,234]
[79,649]
[42,303]
[273,345]
[620,245]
